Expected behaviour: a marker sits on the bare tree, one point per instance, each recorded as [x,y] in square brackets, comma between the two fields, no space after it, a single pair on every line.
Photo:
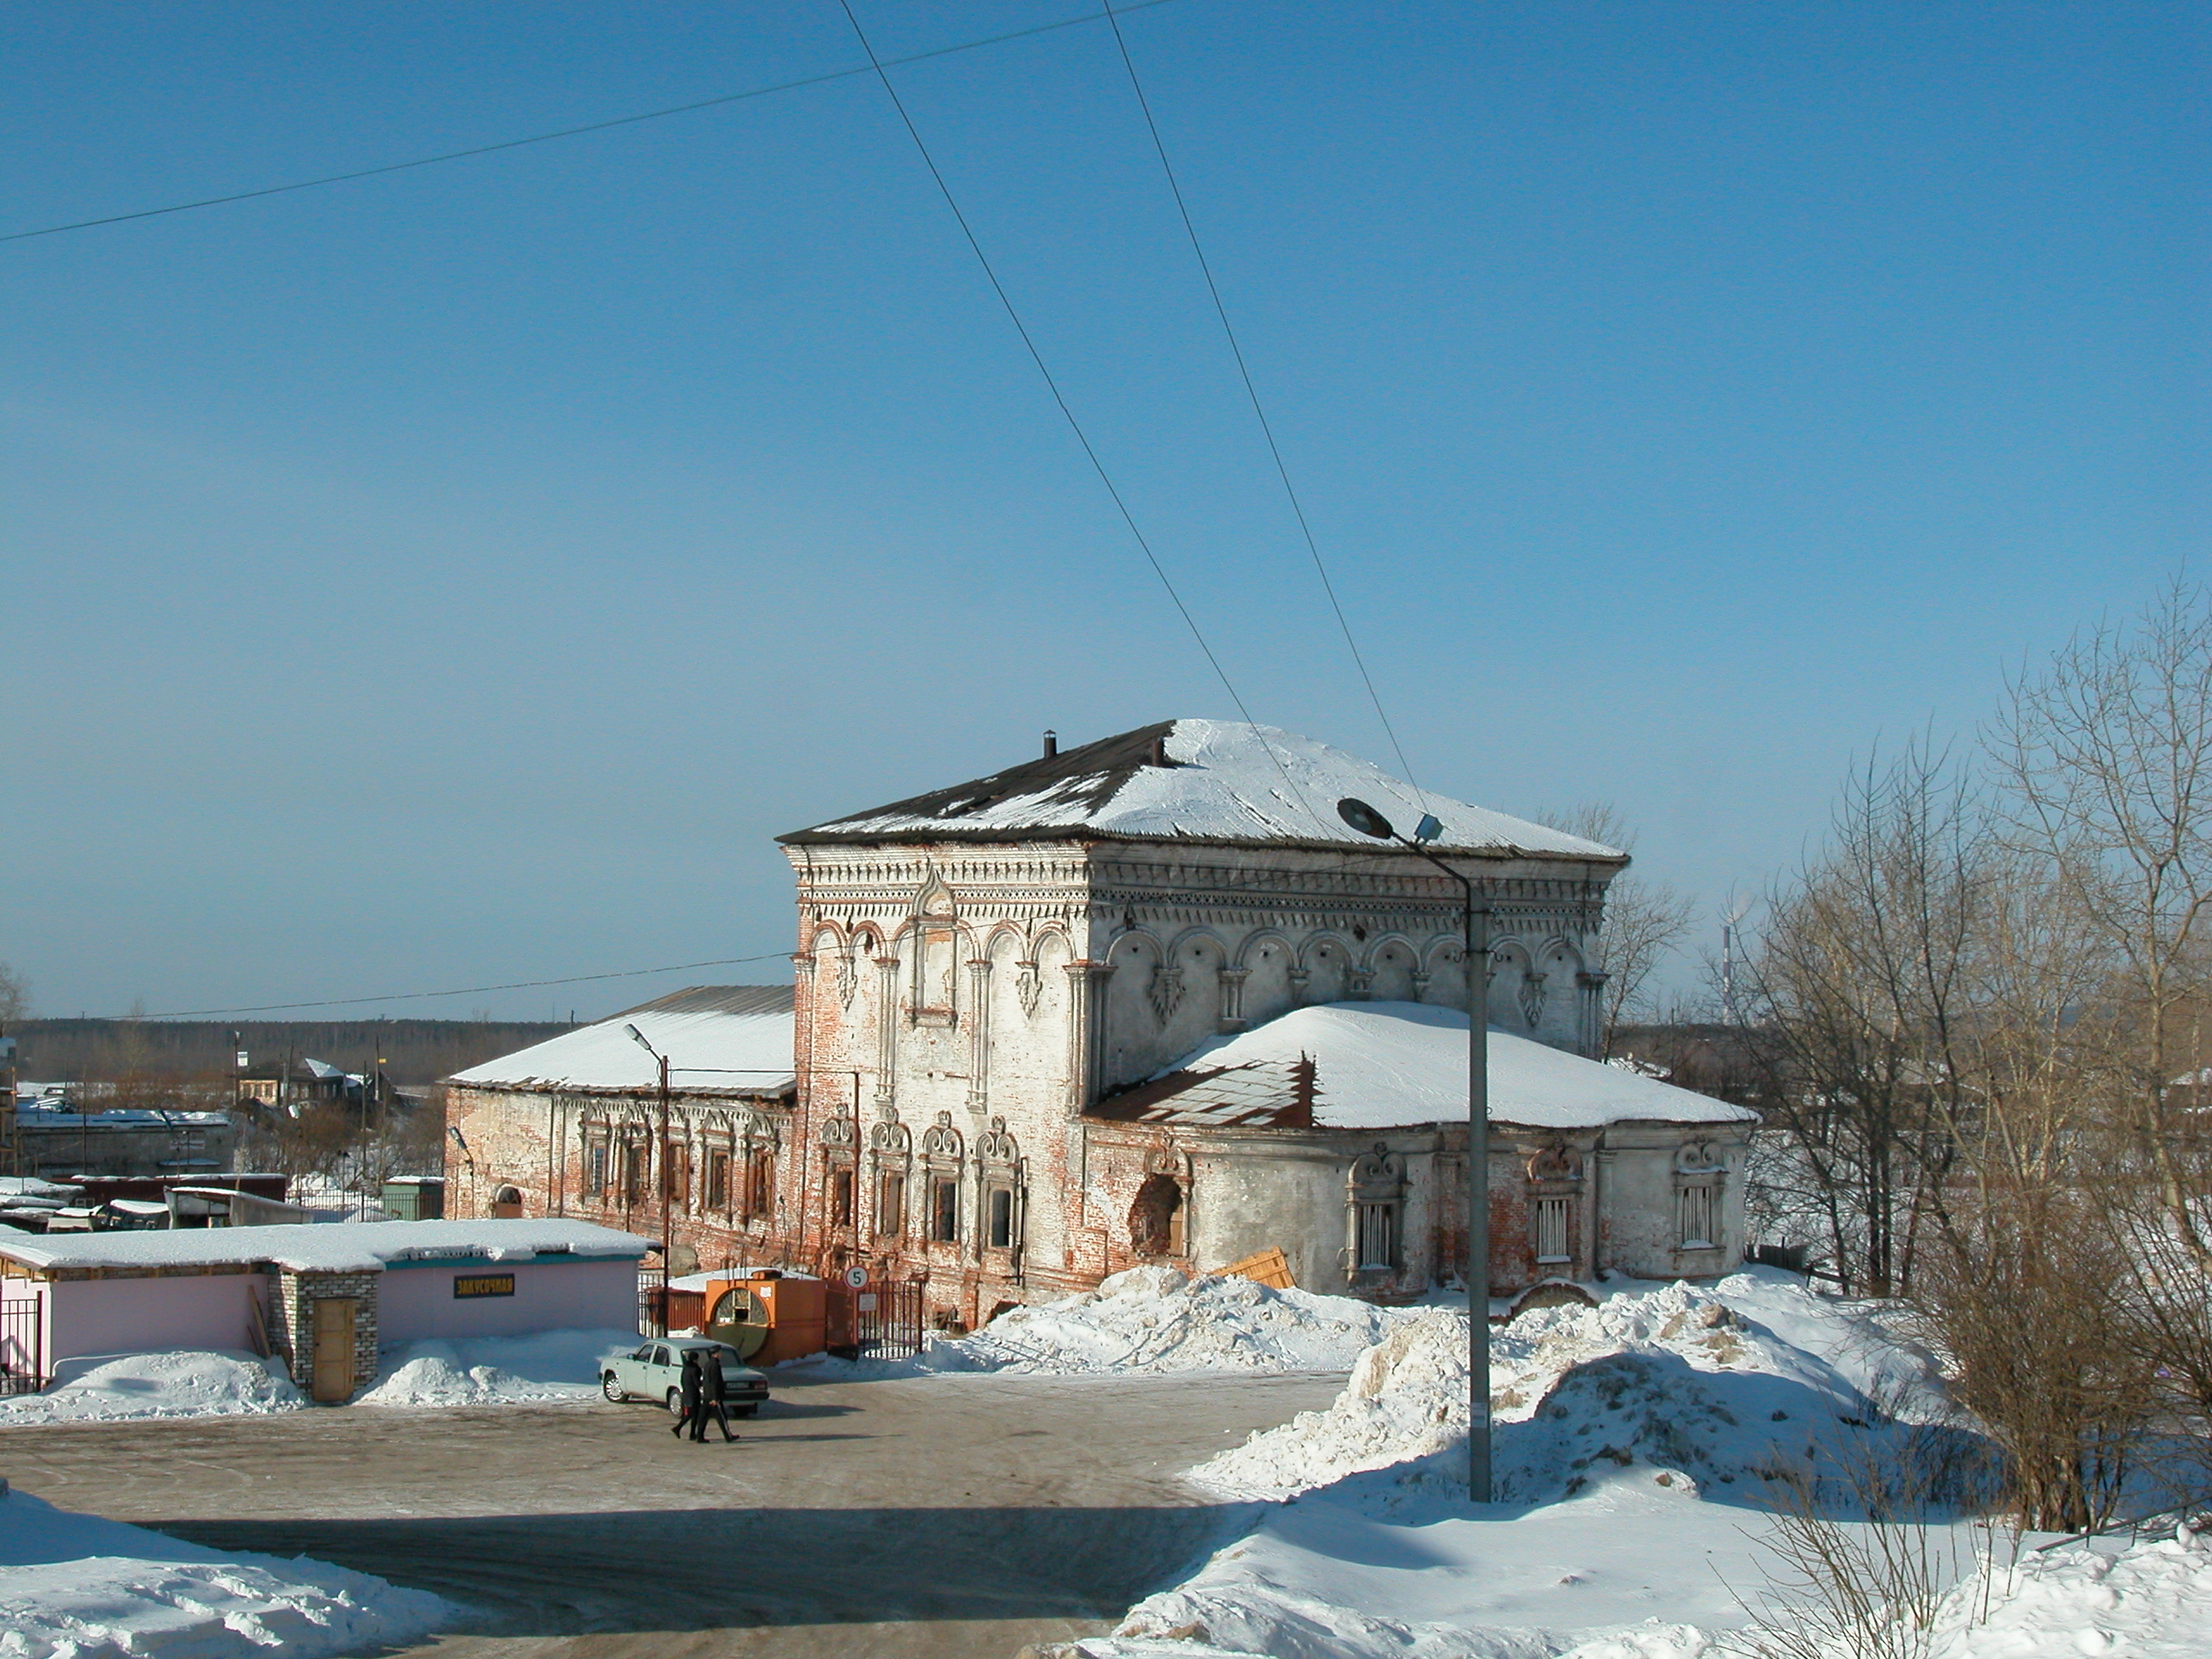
[15,995]
[2107,754]
[1644,921]
[1861,976]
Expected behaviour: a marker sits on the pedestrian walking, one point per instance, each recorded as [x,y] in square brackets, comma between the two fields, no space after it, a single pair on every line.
[689,1393]
[713,1388]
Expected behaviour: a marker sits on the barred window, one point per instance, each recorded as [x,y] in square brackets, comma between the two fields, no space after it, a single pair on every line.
[760,1185]
[717,1180]
[1699,1225]
[1552,1234]
[637,1159]
[594,1169]
[1378,1235]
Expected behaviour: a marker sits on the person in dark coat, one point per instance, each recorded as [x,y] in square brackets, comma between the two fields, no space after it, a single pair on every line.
[691,1391]
[713,1388]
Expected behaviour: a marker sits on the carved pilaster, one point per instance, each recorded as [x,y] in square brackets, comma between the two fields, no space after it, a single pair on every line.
[1232,997]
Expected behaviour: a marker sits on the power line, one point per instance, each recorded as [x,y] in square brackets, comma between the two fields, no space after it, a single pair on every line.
[466,990]
[1053,386]
[1267,429]
[564,132]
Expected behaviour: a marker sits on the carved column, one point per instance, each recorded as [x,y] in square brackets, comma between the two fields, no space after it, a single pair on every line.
[887,1030]
[1590,1020]
[1086,1030]
[979,1033]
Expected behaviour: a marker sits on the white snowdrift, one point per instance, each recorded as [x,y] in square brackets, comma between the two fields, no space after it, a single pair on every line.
[75,1587]
[1155,1321]
[548,1367]
[1632,1439]
[172,1384]
[2150,1600]
[1696,1385]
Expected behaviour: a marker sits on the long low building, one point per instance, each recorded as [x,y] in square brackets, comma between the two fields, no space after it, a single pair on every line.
[323,1298]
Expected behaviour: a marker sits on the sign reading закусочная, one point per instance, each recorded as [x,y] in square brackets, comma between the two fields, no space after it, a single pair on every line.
[484,1284]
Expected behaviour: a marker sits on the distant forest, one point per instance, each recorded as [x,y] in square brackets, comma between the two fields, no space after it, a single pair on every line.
[415,1052]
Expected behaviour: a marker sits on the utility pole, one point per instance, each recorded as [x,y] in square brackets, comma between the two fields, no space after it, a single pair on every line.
[1474,925]
[667,1202]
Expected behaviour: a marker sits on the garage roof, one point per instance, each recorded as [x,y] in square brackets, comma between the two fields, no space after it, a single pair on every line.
[328,1247]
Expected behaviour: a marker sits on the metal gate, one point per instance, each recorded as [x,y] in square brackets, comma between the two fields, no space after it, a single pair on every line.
[887,1321]
[22,1368]
[652,1313]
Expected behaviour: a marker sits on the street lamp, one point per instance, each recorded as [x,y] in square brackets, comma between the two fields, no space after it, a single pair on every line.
[1475,943]
[660,1060]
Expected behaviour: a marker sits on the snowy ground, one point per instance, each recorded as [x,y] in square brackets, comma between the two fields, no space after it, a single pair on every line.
[160,1385]
[74,1586]
[552,1367]
[1153,1321]
[1634,1449]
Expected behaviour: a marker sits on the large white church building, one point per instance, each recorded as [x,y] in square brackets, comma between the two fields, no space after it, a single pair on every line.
[1148,998]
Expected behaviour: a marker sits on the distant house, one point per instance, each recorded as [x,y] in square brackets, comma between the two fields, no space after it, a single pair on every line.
[1148,1000]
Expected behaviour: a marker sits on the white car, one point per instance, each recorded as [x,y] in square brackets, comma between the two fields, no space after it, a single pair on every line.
[655,1372]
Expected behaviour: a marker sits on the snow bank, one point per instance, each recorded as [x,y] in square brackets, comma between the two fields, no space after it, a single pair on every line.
[75,1587]
[548,1367]
[1631,1446]
[1158,1320]
[175,1384]
[1694,1384]
[2151,1601]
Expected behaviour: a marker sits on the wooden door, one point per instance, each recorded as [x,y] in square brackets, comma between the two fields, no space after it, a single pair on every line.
[334,1348]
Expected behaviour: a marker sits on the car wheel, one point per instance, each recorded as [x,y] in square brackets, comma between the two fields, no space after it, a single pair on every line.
[675,1402]
[612,1389]
[743,1411]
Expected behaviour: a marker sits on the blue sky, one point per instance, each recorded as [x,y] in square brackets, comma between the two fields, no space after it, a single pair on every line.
[460,576]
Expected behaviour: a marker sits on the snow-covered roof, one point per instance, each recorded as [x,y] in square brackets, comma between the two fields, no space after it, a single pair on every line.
[1386,1064]
[1199,781]
[365,1247]
[719,1040]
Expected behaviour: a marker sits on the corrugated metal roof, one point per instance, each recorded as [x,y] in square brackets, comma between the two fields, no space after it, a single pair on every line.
[719,999]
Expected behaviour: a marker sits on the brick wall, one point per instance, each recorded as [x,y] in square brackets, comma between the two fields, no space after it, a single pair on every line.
[292,1297]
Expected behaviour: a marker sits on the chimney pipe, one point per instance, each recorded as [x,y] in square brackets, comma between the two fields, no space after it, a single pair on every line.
[1158,756]
[1052,742]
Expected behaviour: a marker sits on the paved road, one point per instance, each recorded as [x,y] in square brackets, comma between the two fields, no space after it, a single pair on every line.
[941,1517]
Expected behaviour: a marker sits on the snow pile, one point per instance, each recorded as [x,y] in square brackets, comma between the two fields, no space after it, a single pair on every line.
[174,1384]
[548,1367]
[1156,1319]
[75,1587]
[1686,1385]
[2153,1600]
[1633,1439]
